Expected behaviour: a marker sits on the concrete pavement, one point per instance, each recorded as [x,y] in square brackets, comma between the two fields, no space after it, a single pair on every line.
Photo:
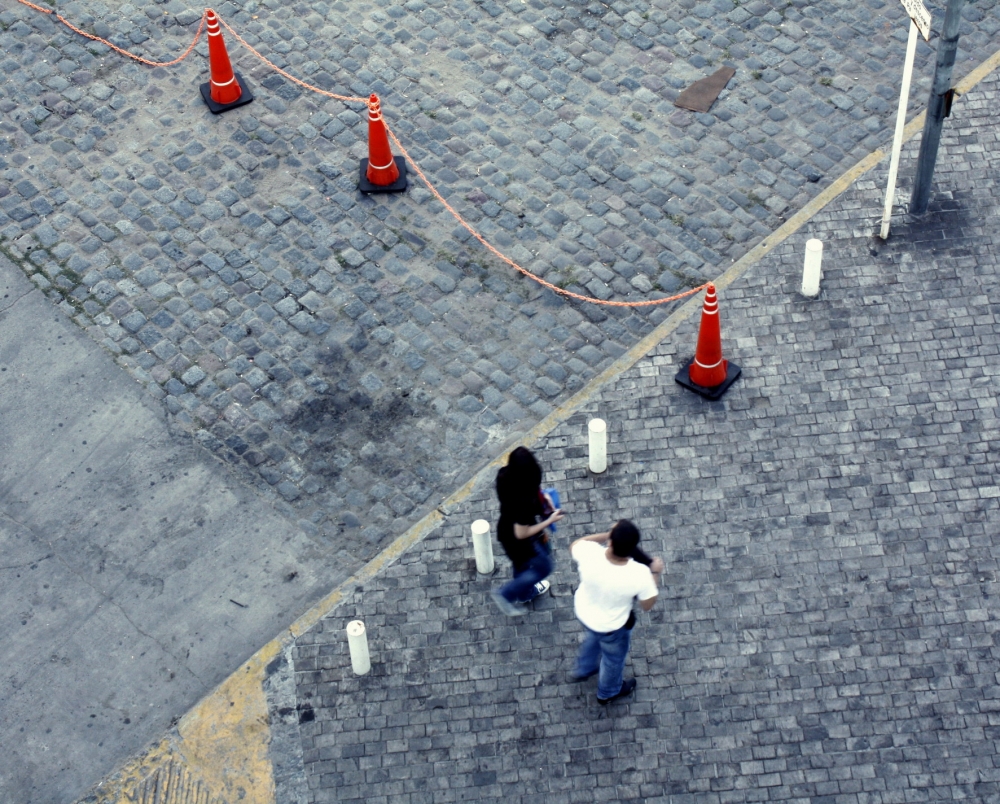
[137,570]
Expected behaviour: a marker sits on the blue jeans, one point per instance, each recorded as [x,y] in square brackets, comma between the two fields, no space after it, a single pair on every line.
[607,653]
[521,588]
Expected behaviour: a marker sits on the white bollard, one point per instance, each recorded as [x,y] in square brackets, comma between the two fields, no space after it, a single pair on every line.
[483,546]
[812,268]
[357,642]
[598,445]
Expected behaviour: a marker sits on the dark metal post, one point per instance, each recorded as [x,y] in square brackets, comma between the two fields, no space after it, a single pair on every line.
[936,111]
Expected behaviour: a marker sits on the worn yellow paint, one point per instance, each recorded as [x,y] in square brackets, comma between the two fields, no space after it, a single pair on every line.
[238,769]
[373,567]
[222,743]
[224,740]
[120,788]
[977,74]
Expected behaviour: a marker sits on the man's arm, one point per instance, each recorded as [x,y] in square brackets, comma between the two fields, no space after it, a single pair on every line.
[593,537]
[655,568]
[642,557]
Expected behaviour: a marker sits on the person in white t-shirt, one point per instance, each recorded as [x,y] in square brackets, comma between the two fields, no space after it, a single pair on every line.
[611,577]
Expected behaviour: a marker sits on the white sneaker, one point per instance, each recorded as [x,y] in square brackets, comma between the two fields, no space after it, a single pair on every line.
[542,587]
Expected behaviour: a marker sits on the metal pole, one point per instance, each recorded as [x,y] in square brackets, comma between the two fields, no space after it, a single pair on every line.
[897,140]
[947,47]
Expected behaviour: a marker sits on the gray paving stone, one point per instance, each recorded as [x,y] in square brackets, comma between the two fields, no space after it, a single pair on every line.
[555,134]
[825,622]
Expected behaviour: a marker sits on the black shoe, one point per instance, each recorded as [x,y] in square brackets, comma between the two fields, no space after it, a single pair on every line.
[584,678]
[628,687]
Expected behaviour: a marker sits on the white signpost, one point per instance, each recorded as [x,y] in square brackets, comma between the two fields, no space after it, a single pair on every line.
[919,14]
[920,19]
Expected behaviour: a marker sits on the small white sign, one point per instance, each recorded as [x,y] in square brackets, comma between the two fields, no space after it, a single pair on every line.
[920,15]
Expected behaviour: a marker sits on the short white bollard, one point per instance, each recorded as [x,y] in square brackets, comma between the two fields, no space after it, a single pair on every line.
[812,267]
[483,546]
[357,642]
[598,445]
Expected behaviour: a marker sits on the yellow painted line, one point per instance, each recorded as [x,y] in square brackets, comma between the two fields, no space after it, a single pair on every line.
[373,567]
[221,745]
[977,74]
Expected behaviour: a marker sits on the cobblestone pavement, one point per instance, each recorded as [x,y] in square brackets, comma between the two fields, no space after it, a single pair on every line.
[828,625]
[357,355]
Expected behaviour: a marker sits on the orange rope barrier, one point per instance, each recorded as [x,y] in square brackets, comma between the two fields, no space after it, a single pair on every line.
[140,59]
[488,246]
[37,8]
[289,76]
[352,99]
[505,259]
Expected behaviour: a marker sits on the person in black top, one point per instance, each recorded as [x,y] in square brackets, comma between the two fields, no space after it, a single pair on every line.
[525,513]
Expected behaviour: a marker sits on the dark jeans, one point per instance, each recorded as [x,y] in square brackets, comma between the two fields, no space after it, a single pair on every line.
[608,653]
[521,588]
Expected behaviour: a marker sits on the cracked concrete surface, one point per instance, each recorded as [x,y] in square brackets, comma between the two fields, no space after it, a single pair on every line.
[113,531]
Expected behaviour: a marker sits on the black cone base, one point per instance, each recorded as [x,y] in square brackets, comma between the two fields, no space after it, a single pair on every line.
[684,378]
[397,186]
[216,108]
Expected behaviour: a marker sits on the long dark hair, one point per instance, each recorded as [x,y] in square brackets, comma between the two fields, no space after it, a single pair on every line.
[521,476]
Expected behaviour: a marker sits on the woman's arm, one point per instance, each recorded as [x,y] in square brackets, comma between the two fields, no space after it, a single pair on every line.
[527,531]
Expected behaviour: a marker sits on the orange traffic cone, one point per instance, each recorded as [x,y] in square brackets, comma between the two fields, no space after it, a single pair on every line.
[381,172]
[226,89]
[709,374]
